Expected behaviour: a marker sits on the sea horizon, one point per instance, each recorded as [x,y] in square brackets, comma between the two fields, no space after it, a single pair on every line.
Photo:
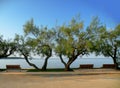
[54,62]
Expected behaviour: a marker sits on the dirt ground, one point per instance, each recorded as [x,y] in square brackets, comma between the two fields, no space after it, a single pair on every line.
[77,79]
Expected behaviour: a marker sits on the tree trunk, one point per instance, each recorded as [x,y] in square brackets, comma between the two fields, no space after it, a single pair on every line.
[70,61]
[44,67]
[115,58]
[67,67]
[62,60]
[115,62]
[31,64]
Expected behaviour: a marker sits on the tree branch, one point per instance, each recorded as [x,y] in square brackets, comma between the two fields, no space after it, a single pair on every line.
[62,60]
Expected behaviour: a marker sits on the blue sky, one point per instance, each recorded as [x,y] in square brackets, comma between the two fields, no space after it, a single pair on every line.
[14,13]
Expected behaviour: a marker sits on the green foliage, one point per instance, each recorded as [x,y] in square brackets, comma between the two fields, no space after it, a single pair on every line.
[96,33]
[23,45]
[71,39]
[110,42]
[104,41]
[25,48]
[31,28]
[7,47]
[42,38]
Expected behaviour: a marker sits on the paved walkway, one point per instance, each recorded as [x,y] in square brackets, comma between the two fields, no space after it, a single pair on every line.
[83,78]
[75,72]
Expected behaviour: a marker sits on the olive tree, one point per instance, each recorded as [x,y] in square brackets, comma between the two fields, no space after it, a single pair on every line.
[110,46]
[71,42]
[44,38]
[25,48]
[104,41]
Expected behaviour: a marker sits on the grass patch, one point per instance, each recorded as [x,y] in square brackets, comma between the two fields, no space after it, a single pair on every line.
[2,69]
[48,70]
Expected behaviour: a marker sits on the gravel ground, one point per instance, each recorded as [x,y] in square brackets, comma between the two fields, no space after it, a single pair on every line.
[85,78]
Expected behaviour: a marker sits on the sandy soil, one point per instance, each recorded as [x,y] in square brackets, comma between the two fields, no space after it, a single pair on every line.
[77,79]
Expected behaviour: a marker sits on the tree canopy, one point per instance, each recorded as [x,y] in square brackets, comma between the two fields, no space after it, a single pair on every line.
[66,41]
[44,39]
[105,41]
[72,41]
[7,47]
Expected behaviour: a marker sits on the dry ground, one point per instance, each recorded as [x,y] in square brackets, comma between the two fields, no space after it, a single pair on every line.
[77,79]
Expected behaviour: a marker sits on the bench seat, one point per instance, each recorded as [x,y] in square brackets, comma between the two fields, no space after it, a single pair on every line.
[86,66]
[108,66]
[13,67]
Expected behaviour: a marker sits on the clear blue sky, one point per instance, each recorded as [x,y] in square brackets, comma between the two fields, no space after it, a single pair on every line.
[14,13]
